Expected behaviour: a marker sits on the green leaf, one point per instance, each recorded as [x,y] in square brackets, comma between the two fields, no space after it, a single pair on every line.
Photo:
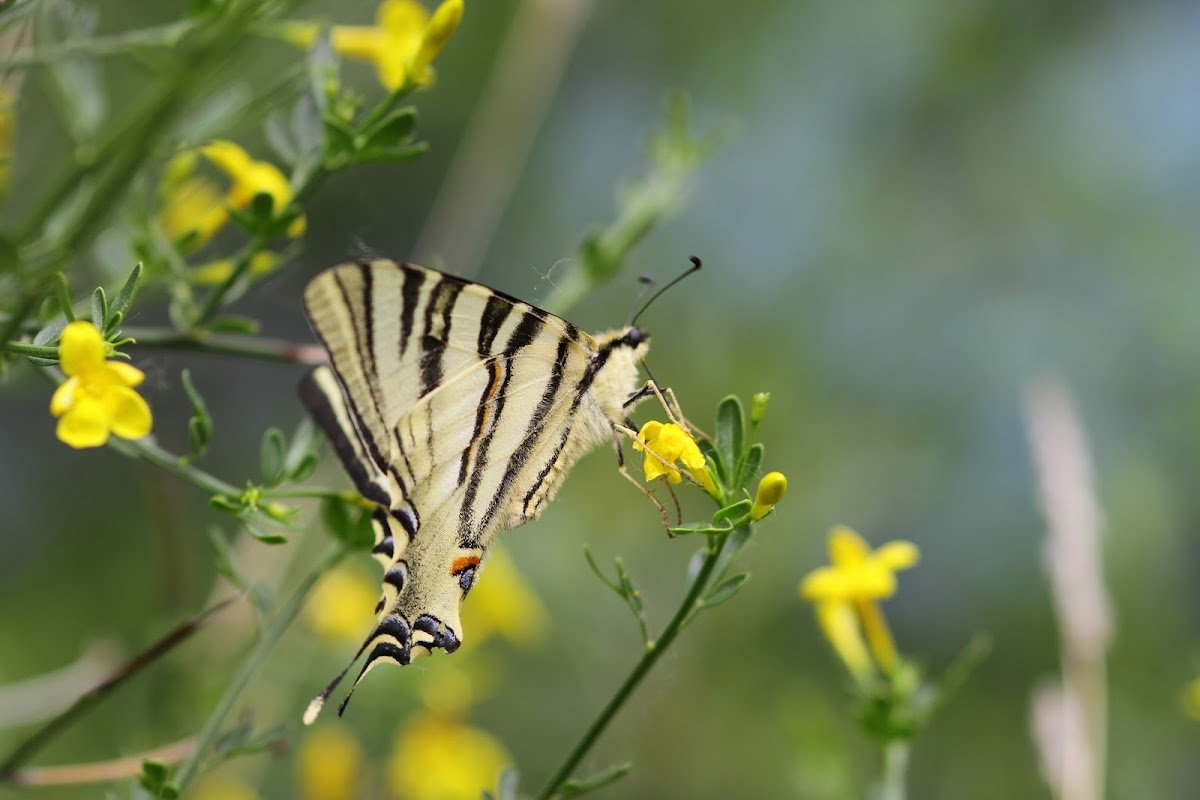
[262,534]
[50,334]
[63,293]
[596,569]
[628,590]
[262,208]
[279,137]
[271,454]
[308,133]
[339,138]
[750,466]
[729,432]
[738,509]
[336,519]
[153,779]
[579,786]
[362,534]
[226,503]
[124,299]
[99,308]
[395,128]
[717,464]
[725,589]
[301,459]
[702,527]
[200,426]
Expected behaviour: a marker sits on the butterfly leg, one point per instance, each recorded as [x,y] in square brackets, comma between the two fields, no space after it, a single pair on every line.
[666,398]
[621,468]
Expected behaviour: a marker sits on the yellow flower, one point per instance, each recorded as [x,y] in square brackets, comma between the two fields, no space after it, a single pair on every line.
[1191,699]
[97,399]
[502,603]
[771,490]
[221,786]
[666,444]
[847,592]
[7,124]
[329,761]
[193,205]
[217,272]
[402,44]
[442,758]
[341,606]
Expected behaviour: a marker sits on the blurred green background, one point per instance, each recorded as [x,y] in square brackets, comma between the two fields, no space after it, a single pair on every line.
[925,206]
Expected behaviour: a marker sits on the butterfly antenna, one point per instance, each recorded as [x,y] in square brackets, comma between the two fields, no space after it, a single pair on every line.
[318,702]
[696,264]
[647,283]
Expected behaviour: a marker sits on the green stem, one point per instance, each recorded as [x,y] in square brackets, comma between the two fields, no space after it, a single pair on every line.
[895,768]
[93,696]
[276,350]
[147,450]
[653,652]
[37,351]
[250,667]
[319,493]
[119,44]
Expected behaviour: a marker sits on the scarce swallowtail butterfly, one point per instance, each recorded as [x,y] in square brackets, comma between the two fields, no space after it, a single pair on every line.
[458,410]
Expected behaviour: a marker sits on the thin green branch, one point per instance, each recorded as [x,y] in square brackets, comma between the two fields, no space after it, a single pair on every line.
[276,350]
[168,35]
[86,701]
[895,770]
[653,652]
[148,450]
[250,667]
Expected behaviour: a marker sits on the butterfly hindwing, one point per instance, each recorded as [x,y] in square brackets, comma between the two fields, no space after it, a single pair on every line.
[458,410]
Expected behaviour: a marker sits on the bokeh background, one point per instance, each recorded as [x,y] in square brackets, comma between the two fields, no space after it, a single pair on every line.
[925,206]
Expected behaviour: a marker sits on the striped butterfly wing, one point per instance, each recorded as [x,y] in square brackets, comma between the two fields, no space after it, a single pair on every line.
[457,409]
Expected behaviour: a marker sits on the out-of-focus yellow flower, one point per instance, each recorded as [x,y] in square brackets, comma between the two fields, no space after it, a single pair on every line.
[217,272]
[502,603]
[666,444]
[193,205]
[1191,699]
[771,490]
[219,786]
[401,44]
[97,399]
[442,758]
[7,125]
[846,595]
[328,762]
[341,606]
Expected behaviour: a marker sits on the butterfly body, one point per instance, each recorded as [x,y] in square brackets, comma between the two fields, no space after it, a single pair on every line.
[458,410]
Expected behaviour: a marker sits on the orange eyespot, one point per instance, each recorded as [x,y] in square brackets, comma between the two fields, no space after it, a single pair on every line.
[462,563]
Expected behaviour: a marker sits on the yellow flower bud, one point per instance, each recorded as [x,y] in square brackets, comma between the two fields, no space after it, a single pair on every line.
[771,490]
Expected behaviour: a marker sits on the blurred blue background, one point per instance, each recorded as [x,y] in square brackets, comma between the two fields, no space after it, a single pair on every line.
[925,206]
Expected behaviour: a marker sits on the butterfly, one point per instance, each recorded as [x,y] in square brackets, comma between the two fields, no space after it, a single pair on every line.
[458,411]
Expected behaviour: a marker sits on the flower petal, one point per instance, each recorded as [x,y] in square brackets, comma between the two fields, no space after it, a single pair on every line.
[358,42]
[84,425]
[847,548]
[81,348]
[228,157]
[124,373]
[648,432]
[840,626]
[128,413]
[64,396]
[898,555]
[445,21]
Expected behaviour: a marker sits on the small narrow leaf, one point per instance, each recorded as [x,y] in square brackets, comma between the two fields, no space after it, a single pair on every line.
[738,509]
[693,568]
[395,128]
[730,420]
[63,292]
[628,590]
[702,527]
[336,518]
[200,425]
[231,323]
[279,138]
[579,786]
[725,589]
[391,155]
[271,453]
[301,459]
[262,534]
[99,307]
[124,299]
[596,569]
[715,461]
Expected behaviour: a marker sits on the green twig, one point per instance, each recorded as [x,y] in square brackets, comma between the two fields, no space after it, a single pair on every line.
[895,768]
[147,450]
[276,350]
[118,44]
[250,667]
[53,727]
[653,652]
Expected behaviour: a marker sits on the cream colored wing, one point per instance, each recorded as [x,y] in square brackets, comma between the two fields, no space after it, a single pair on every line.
[457,409]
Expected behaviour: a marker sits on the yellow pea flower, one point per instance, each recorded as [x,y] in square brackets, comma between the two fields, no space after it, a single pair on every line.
[771,490]
[401,44]
[341,606]
[97,399]
[848,590]
[442,758]
[670,443]
[217,272]
[193,205]
[328,762]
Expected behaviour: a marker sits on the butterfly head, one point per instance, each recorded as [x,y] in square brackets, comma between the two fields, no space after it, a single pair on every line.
[627,345]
